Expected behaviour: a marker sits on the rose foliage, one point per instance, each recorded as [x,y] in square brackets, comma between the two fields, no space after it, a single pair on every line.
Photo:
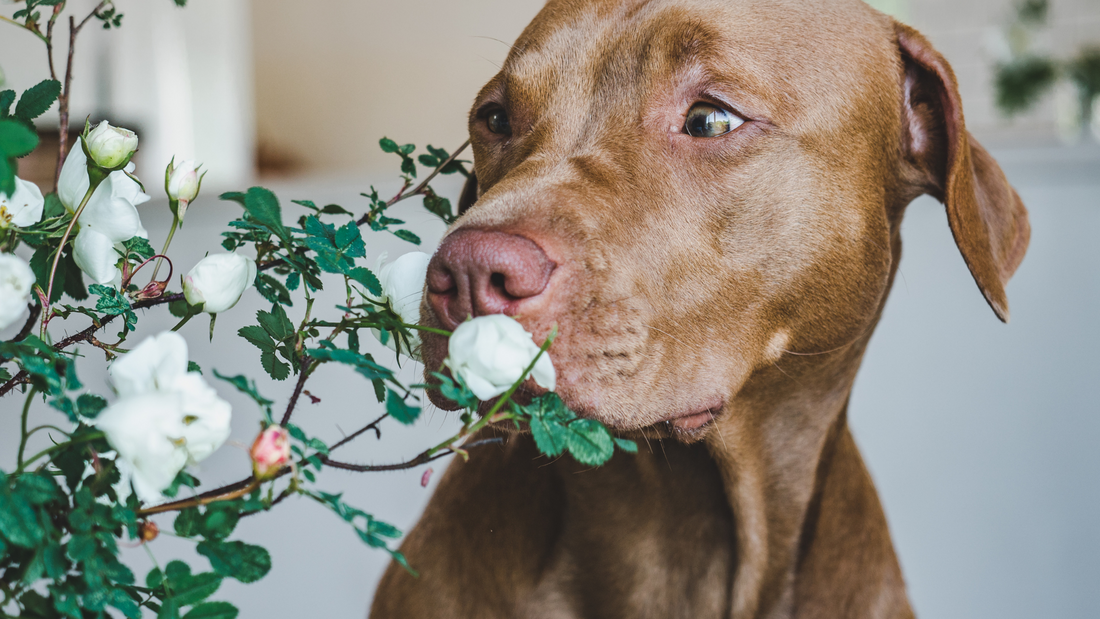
[76,264]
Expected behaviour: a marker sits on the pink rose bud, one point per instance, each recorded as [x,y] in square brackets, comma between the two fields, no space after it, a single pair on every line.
[270,452]
[426,477]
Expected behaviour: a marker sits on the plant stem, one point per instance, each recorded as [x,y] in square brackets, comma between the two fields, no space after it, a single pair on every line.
[92,186]
[163,252]
[87,438]
[23,427]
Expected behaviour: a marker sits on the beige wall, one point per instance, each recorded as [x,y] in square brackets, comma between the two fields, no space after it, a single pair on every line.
[334,76]
[333,79]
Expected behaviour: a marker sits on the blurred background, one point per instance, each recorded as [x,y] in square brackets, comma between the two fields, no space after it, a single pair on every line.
[983,438]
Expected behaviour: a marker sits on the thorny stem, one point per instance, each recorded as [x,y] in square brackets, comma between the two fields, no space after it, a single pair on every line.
[303,376]
[84,336]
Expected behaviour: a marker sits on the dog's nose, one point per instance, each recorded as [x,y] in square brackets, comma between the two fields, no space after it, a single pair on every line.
[479,272]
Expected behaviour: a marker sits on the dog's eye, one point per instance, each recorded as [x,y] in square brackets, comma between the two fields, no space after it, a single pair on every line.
[707,121]
[497,120]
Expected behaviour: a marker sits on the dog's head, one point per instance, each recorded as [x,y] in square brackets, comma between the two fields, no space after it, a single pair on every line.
[693,189]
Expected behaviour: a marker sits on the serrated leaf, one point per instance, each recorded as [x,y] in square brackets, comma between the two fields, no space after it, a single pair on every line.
[258,337]
[276,323]
[589,442]
[141,247]
[194,367]
[368,279]
[245,562]
[37,488]
[399,409]
[275,369]
[272,289]
[37,99]
[349,240]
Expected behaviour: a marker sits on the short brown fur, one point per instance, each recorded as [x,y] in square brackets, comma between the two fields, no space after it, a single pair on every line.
[740,275]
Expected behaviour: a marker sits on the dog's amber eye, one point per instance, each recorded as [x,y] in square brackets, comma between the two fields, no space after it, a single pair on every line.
[497,120]
[707,121]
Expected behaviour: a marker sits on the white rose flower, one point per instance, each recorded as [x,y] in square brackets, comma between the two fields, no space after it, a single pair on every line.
[110,217]
[218,281]
[489,353]
[16,282]
[166,417]
[110,147]
[22,208]
[402,289]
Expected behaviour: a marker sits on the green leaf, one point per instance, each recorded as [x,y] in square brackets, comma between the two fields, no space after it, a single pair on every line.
[112,303]
[168,610]
[18,520]
[406,235]
[213,610]
[275,369]
[626,445]
[365,277]
[89,405]
[245,562]
[71,278]
[219,523]
[140,247]
[272,289]
[187,589]
[440,207]
[194,367]
[7,97]
[187,522]
[388,145]
[16,139]
[399,410]
[263,208]
[37,488]
[37,99]
[276,323]
[81,547]
[120,600]
[589,442]
[258,337]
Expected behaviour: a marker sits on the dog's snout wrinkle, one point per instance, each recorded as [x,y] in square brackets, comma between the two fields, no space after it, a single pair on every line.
[481,272]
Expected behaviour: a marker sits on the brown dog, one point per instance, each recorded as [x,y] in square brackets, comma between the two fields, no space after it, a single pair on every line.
[706,197]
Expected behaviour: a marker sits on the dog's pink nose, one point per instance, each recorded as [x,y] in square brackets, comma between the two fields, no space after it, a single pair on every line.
[478,272]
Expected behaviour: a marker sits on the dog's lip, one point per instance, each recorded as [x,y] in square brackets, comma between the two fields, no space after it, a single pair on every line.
[692,419]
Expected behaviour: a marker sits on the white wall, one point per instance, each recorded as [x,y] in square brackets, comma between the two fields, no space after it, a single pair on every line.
[181,77]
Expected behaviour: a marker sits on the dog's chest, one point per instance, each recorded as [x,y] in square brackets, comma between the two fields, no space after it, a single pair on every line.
[645,536]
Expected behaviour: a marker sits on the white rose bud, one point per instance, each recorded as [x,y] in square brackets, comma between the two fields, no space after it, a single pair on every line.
[183,181]
[218,281]
[111,147]
[489,353]
[166,417]
[16,282]
[402,289]
[22,208]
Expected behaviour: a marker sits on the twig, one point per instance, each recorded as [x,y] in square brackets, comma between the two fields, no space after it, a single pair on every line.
[370,426]
[195,502]
[401,195]
[303,375]
[83,336]
[424,458]
[63,100]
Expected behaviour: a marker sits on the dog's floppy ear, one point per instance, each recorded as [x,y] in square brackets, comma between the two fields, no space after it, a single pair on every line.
[469,193]
[987,218]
